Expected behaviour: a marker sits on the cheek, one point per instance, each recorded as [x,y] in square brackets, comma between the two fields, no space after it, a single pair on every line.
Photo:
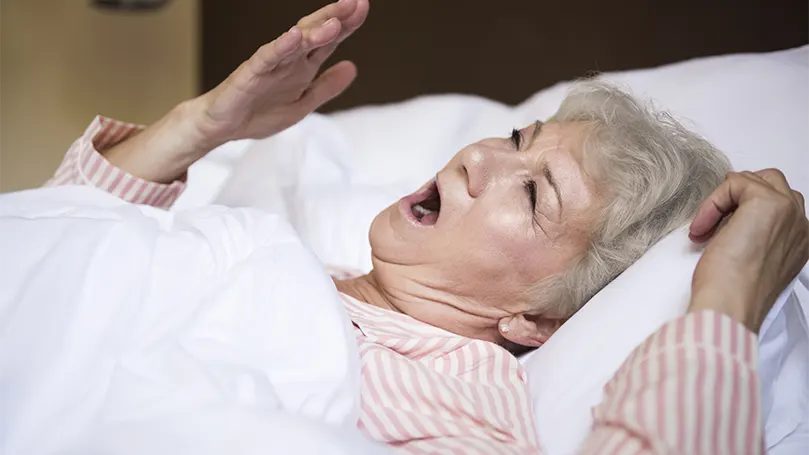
[498,212]
[503,223]
[504,240]
[513,249]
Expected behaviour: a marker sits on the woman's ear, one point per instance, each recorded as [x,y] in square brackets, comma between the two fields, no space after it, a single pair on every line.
[528,329]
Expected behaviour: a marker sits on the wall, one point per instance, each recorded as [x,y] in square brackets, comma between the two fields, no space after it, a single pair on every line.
[61,62]
[505,49]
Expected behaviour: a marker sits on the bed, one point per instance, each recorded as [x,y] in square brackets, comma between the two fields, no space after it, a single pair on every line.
[329,176]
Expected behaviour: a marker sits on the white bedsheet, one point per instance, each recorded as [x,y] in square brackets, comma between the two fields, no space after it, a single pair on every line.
[127,329]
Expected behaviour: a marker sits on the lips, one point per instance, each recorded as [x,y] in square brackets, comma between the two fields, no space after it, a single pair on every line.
[424,206]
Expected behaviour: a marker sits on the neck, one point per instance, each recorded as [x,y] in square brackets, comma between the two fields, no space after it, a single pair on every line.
[437,308]
[366,289]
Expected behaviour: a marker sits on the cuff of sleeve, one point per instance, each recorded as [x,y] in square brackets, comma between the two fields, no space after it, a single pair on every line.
[702,330]
[691,385]
[93,169]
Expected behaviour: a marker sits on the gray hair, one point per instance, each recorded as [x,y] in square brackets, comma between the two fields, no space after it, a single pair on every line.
[655,174]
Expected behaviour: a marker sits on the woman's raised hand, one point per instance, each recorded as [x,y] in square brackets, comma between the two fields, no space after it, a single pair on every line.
[760,249]
[271,91]
[276,87]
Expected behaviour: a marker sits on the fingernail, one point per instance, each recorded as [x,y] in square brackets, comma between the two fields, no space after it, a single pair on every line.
[330,21]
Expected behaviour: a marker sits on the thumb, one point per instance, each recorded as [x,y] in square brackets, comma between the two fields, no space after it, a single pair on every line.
[328,85]
[720,203]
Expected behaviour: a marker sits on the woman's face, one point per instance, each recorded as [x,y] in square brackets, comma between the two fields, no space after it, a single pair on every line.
[502,215]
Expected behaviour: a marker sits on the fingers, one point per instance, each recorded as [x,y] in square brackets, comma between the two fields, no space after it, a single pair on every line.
[340,10]
[317,29]
[724,199]
[349,26]
[776,178]
[270,55]
[320,35]
[319,55]
[357,18]
[326,87]
[324,25]
[799,197]
[737,187]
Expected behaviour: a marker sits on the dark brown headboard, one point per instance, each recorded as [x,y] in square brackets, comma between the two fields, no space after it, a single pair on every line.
[506,49]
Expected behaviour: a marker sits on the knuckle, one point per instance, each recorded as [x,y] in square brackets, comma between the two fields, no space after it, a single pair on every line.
[734,176]
[772,175]
[742,179]
[265,54]
[782,202]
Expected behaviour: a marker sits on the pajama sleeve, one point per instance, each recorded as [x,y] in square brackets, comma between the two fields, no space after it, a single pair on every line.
[691,389]
[84,164]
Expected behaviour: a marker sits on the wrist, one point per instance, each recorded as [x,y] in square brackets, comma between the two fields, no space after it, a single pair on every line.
[163,152]
[186,122]
[737,307]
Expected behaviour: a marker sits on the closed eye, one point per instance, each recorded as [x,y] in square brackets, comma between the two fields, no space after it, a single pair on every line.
[531,191]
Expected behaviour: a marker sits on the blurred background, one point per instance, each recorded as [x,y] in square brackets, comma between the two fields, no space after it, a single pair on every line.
[63,61]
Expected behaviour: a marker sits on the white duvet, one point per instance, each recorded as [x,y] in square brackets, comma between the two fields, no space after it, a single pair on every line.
[128,329]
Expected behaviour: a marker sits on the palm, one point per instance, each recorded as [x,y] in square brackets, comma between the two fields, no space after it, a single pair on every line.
[276,87]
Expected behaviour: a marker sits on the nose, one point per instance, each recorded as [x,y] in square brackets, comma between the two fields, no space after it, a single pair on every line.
[480,163]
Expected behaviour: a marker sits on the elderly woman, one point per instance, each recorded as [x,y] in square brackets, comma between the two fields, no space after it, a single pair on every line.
[510,239]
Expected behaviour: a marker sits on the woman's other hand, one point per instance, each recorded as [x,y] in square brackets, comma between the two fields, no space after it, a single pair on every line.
[754,255]
[271,91]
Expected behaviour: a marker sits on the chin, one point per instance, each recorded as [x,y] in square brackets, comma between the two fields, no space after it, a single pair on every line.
[376,231]
[382,233]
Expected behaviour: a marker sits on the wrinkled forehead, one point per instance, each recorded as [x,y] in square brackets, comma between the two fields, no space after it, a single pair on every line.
[575,139]
[563,145]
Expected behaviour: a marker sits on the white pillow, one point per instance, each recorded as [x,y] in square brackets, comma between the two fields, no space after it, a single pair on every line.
[568,373]
[331,175]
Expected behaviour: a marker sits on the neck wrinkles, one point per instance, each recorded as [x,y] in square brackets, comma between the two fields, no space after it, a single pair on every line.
[368,289]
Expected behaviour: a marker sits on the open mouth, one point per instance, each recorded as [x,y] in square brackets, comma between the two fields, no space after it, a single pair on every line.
[423,206]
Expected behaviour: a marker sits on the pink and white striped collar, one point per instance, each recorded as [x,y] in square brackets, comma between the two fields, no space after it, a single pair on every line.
[379,322]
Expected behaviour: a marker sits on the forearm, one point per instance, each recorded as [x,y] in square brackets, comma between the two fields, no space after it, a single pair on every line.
[691,388]
[162,152]
[85,164]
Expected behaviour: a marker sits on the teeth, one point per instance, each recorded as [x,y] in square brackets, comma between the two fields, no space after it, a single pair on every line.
[421,211]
